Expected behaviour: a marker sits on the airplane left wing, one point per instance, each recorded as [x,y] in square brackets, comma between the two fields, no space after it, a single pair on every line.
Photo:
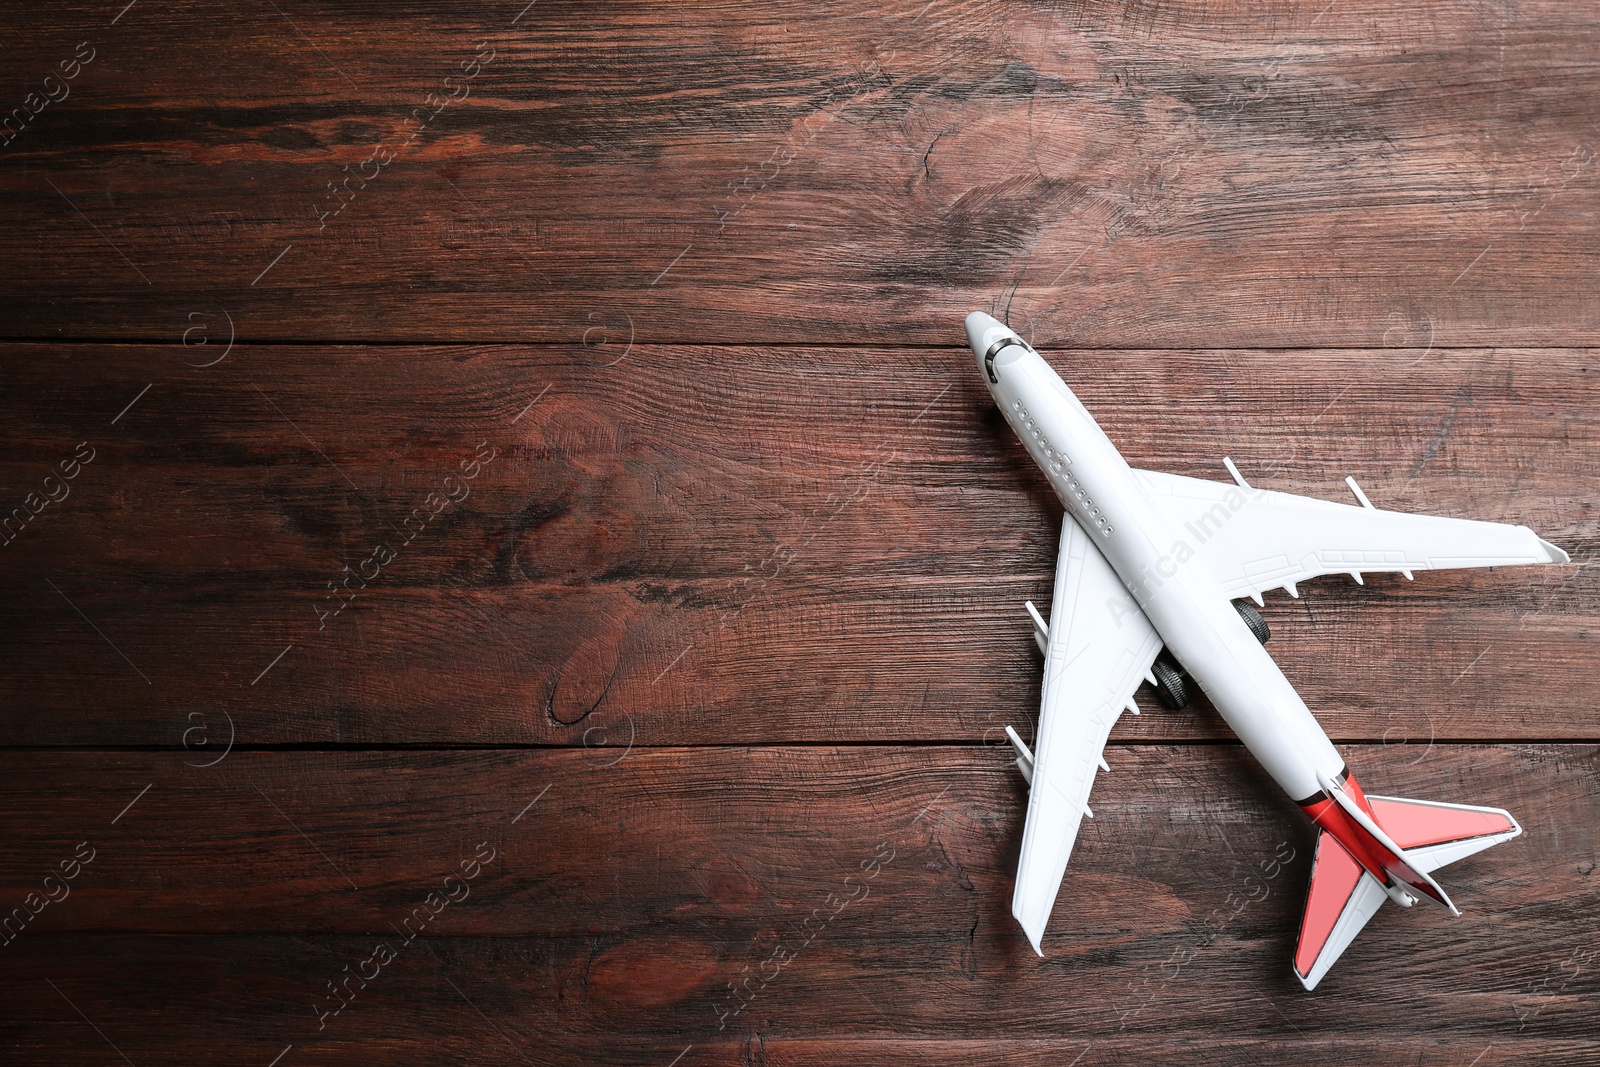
[1100,647]
[1255,539]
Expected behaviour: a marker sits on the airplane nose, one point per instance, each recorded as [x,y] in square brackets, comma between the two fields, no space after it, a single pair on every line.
[979,326]
[988,336]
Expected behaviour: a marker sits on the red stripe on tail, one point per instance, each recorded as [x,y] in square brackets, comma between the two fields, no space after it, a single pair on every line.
[1377,858]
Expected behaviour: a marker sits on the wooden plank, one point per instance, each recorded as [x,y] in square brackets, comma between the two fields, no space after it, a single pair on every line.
[503,1001]
[593,766]
[813,660]
[837,172]
[618,909]
[511,1001]
[707,837]
[778,549]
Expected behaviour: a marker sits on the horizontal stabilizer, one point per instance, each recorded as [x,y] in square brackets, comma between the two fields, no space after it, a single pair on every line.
[1341,899]
[1434,834]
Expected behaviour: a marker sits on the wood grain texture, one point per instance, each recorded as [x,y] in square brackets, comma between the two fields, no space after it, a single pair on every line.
[502,1001]
[436,1004]
[733,546]
[618,908]
[1190,175]
[506,484]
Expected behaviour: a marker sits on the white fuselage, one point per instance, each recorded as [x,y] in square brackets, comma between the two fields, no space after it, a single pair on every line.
[1158,561]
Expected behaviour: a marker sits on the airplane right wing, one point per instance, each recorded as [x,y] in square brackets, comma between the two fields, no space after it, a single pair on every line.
[1255,539]
[1100,647]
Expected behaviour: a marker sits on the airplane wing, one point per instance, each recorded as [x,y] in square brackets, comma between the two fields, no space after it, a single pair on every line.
[1255,540]
[1100,646]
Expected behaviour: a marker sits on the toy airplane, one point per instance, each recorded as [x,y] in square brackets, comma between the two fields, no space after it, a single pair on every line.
[1150,581]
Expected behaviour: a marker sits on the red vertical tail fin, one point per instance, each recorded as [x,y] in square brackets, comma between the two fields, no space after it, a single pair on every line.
[1353,824]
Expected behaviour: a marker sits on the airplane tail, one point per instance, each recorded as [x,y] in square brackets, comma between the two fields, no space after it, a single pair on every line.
[1381,848]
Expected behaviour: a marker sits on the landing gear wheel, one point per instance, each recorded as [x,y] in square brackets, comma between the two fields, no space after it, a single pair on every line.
[1170,683]
[1252,618]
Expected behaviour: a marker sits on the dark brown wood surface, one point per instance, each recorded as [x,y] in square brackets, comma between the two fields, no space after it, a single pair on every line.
[1184,175]
[704,546]
[614,912]
[587,471]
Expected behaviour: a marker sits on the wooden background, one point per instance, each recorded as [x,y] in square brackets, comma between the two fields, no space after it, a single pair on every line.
[615,357]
